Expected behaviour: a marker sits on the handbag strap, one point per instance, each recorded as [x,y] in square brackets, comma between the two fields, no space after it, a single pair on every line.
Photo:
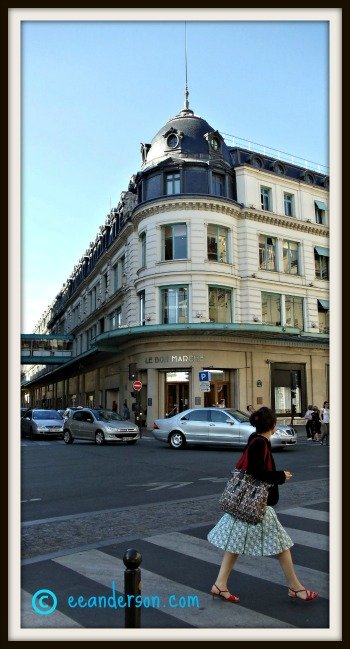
[243,460]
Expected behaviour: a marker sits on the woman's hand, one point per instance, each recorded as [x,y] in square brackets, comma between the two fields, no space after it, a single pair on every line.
[288,475]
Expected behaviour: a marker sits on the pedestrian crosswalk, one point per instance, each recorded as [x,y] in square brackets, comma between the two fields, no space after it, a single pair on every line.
[177,571]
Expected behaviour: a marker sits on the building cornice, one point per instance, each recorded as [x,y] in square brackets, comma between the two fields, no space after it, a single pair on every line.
[225,206]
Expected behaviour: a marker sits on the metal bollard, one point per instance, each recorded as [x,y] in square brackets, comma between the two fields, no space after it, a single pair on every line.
[132,587]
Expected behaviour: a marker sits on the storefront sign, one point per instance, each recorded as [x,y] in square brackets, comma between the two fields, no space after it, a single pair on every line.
[190,358]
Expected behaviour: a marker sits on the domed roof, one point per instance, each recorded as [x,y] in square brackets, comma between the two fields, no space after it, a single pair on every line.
[185,136]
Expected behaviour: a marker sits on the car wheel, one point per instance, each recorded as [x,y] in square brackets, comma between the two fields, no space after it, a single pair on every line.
[67,437]
[99,438]
[177,440]
[132,441]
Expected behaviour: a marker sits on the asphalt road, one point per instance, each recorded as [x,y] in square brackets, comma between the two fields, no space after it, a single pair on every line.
[84,505]
[63,480]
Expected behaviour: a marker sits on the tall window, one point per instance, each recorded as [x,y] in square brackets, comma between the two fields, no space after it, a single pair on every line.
[288,205]
[142,307]
[271,308]
[321,262]
[93,299]
[104,285]
[265,197]
[115,319]
[291,257]
[174,305]
[267,253]
[320,212]
[294,312]
[323,316]
[174,241]
[220,304]
[143,249]
[172,183]
[217,243]
[118,272]
[218,184]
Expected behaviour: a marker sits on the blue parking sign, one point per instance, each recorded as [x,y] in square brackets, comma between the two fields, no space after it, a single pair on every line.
[204,376]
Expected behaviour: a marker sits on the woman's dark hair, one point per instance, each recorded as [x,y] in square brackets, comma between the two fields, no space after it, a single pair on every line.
[263,420]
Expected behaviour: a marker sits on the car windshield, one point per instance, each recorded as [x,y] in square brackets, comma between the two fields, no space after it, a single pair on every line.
[46,414]
[237,414]
[107,415]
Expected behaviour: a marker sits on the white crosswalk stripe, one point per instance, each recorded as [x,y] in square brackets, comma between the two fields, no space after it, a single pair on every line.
[101,567]
[261,567]
[305,512]
[104,569]
[31,620]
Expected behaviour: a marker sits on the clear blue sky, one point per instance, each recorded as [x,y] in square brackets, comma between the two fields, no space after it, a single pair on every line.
[91,92]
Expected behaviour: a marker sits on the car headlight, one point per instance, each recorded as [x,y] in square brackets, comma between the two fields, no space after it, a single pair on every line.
[110,429]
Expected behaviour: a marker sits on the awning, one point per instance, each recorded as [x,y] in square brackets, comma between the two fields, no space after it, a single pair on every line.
[321,205]
[324,304]
[323,252]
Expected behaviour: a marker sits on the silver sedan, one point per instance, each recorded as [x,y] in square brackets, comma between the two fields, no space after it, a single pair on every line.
[216,427]
[99,425]
[39,421]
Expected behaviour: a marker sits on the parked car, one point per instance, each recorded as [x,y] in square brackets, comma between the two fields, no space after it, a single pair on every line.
[214,426]
[23,410]
[39,421]
[61,411]
[99,425]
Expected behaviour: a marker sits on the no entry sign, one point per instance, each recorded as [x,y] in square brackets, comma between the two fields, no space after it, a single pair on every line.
[137,385]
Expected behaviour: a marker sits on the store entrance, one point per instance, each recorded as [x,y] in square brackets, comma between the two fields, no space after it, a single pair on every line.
[218,395]
[176,392]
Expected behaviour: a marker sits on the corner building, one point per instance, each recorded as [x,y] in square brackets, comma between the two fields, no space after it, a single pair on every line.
[216,258]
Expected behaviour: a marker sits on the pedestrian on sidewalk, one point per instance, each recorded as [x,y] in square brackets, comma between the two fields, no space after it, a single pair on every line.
[257,539]
[315,424]
[308,417]
[126,411]
[324,414]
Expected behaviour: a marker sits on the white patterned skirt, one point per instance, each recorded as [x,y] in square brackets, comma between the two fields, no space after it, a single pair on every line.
[260,539]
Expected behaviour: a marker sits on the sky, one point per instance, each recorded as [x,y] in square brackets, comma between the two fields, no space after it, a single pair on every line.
[91,91]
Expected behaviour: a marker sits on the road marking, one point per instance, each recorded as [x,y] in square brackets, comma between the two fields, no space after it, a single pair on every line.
[214,479]
[31,620]
[155,486]
[30,500]
[265,568]
[304,512]
[102,568]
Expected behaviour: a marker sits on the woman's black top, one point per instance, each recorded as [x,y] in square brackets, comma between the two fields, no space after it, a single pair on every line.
[261,465]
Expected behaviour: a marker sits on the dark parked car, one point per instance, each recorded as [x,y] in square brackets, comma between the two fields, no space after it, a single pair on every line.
[99,425]
[215,427]
[39,421]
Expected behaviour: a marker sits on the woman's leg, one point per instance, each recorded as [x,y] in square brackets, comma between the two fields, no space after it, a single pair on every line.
[286,563]
[228,561]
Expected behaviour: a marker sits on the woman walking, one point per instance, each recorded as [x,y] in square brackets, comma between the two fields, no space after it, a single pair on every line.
[261,539]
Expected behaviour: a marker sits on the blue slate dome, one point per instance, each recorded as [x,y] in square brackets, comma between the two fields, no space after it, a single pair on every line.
[186,136]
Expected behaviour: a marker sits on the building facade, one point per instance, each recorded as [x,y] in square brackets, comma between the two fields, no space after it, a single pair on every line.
[215,259]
